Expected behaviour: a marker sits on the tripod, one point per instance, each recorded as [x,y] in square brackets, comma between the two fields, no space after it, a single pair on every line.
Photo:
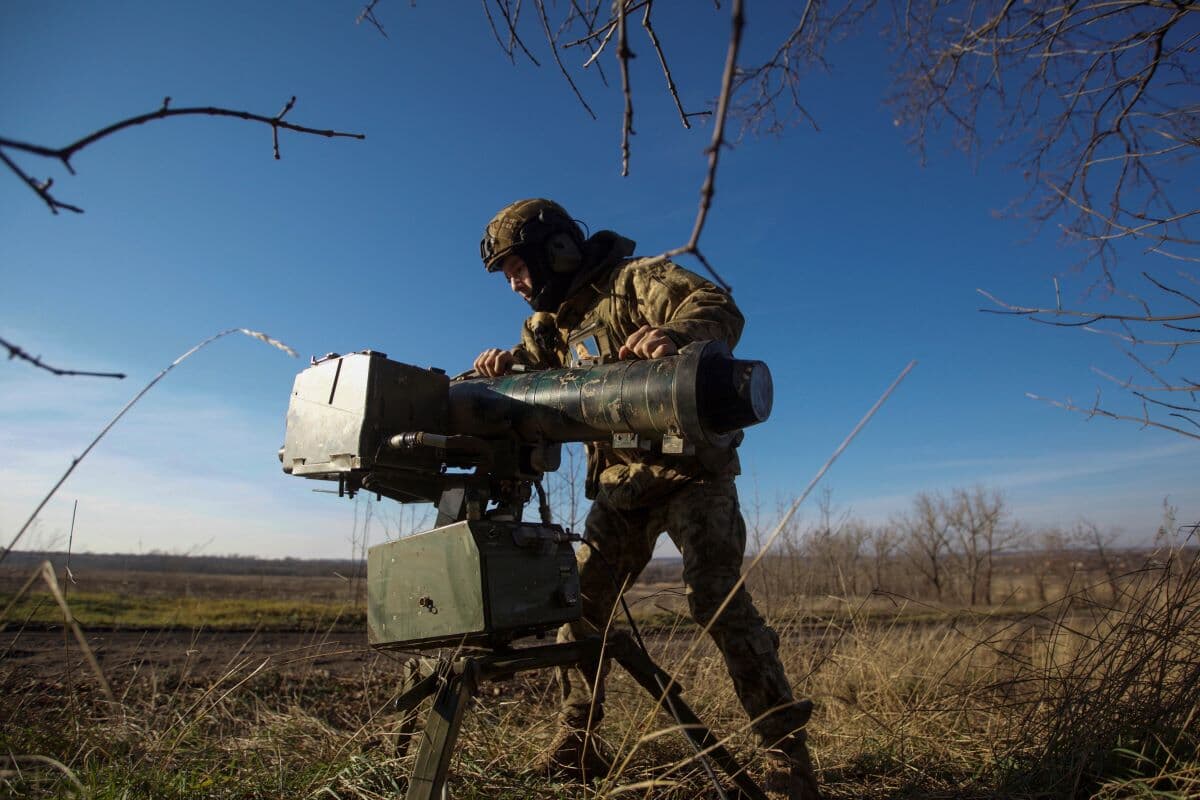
[453,682]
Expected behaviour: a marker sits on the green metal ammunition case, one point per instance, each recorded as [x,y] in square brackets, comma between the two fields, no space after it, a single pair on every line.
[473,583]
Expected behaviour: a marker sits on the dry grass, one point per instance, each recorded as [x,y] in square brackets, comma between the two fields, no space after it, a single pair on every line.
[1094,695]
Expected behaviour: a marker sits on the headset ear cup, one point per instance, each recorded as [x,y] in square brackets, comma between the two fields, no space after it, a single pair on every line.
[562,253]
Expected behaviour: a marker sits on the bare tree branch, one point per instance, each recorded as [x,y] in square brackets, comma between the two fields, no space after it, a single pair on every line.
[1171,290]
[623,56]
[42,189]
[1129,384]
[1096,94]
[607,28]
[589,22]
[492,24]
[511,15]
[767,91]
[64,154]
[1097,411]
[662,59]
[1092,316]
[1127,337]
[1148,399]
[16,352]
[1131,329]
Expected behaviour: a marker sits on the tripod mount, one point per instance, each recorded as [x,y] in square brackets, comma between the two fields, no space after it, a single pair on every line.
[454,681]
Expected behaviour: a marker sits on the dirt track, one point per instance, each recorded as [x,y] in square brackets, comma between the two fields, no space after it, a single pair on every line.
[204,654]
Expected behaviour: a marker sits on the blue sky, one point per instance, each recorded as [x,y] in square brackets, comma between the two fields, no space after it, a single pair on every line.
[848,257]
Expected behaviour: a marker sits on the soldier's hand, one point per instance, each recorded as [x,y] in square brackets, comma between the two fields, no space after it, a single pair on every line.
[493,362]
[648,342]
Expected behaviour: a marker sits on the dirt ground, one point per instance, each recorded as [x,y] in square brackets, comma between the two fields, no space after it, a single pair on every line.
[197,654]
[48,652]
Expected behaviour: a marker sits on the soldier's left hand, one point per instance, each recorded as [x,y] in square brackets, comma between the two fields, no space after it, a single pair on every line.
[647,342]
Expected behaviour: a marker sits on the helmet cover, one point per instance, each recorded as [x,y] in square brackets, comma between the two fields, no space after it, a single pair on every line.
[528,225]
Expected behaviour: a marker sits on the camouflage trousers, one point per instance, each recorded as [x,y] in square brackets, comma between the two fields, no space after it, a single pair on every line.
[704,521]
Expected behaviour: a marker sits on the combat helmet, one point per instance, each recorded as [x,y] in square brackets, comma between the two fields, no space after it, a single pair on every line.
[546,237]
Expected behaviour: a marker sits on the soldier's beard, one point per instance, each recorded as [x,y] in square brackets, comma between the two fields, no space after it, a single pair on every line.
[549,287]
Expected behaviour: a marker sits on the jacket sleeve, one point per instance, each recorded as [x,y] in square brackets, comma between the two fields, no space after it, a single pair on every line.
[687,307]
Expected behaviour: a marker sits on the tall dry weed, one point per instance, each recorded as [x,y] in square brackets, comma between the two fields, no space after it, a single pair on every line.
[1112,692]
[1091,696]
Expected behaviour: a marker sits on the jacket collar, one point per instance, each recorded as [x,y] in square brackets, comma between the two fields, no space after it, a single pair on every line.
[602,252]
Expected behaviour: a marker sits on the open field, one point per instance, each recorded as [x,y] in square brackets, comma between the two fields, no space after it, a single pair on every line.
[1090,694]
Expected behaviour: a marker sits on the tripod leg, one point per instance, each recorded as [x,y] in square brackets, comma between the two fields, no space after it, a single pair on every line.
[414,689]
[653,679]
[441,732]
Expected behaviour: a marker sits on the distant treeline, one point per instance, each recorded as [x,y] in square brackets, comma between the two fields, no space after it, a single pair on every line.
[196,565]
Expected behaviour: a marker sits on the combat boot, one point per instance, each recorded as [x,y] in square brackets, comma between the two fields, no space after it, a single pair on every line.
[575,755]
[790,774]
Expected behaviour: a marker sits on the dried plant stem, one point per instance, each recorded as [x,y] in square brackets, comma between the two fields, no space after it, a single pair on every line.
[45,571]
[50,762]
[75,462]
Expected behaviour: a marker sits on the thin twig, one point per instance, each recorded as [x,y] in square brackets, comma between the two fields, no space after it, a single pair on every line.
[511,22]
[600,48]
[1133,386]
[590,24]
[51,762]
[1137,340]
[1170,290]
[16,352]
[662,59]
[1148,399]
[492,24]
[708,188]
[541,7]
[1095,411]
[41,189]
[368,14]
[75,462]
[607,28]
[1093,316]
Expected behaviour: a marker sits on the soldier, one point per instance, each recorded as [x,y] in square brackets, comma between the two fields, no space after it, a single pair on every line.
[592,299]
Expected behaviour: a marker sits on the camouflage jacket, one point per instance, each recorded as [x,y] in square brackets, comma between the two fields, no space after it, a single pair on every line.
[613,296]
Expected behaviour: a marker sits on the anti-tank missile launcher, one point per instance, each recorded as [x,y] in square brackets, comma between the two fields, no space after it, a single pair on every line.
[415,435]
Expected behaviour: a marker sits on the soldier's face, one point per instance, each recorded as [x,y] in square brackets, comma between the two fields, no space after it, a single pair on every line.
[517,274]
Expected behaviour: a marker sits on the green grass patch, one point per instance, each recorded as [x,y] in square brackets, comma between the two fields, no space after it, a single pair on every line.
[110,609]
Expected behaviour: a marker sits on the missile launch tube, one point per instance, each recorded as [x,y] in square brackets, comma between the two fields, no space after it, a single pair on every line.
[702,394]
